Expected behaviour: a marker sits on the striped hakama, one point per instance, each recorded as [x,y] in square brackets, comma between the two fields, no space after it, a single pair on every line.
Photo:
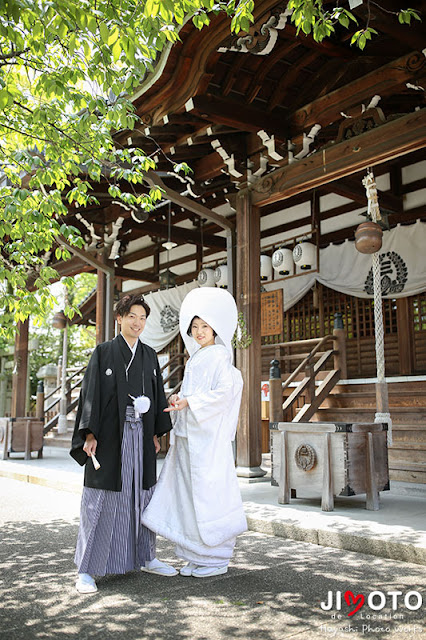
[111,537]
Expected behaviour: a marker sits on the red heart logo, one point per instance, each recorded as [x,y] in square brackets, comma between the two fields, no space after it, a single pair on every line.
[353,600]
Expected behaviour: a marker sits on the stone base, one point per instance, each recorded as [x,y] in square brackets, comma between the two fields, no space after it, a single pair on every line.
[62,424]
[252,473]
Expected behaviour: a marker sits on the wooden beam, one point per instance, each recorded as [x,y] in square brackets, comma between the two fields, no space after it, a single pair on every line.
[178,234]
[70,267]
[288,79]
[209,166]
[390,140]
[382,81]
[237,115]
[271,60]
[86,256]
[133,274]
[190,205]
[139,254]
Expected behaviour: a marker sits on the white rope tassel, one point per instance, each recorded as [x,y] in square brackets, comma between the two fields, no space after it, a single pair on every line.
[374,212]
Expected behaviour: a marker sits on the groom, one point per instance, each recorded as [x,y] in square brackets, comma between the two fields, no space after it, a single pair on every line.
[119,419]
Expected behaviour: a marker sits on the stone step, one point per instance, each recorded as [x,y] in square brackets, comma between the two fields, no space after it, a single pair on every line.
[403,452]
[399,415]
[394,388]
[63,441]
[408,472]
[367,399]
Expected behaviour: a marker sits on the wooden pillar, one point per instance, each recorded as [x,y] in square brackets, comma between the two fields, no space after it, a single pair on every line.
[249,435]
[118,288]
[20,371]
[340,345]
[100,307]
[109,306]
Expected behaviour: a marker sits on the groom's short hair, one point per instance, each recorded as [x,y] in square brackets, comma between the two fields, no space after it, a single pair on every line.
[124,305]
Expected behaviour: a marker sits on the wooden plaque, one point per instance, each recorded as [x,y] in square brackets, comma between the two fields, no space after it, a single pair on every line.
[272,312]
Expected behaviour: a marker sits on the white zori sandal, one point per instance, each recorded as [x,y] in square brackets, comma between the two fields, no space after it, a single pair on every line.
[208,572]
[85,584]
[159,568]
[188,569]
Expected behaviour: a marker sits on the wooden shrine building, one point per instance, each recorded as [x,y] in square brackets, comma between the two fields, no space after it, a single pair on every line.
[279,131]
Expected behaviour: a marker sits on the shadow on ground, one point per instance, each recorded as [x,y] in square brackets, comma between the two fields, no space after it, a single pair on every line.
[273,591]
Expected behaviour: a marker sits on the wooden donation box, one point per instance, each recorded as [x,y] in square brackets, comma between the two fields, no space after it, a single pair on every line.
[330,459]
[21,434]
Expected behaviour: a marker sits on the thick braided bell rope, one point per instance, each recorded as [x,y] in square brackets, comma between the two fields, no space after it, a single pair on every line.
[374,213]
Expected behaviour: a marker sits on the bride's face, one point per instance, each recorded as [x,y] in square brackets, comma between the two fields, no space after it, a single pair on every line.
[202,332]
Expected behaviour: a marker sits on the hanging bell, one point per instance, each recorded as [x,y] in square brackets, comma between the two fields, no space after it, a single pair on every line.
[368,237]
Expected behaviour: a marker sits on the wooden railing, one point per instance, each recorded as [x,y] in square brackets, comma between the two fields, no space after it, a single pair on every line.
[71,404]
[312,363]
[178,358]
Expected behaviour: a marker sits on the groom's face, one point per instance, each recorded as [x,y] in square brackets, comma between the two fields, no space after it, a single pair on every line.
[133,323]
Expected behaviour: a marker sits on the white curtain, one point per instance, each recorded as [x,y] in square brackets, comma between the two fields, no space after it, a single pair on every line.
[163,322]
[343,268]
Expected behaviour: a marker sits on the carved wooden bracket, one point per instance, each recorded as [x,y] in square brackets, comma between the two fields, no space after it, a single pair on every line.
[352,127]
[262,36]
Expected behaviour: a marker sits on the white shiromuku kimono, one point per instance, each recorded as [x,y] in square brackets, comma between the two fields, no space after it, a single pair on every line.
[197,502]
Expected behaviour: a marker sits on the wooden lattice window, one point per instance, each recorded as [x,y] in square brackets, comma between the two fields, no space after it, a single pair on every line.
[419,312]
[304,321]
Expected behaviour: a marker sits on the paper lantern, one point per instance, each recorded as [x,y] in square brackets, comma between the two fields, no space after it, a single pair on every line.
[282,261]
[221,276]
[305,255]
[206,278]
[265,268]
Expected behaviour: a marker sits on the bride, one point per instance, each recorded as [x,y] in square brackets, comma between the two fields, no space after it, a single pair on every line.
[197,502]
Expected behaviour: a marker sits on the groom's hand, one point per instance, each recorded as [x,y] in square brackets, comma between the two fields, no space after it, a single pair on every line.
[157,445]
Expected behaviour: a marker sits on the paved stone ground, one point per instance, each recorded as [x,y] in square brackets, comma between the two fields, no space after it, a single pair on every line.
[272,591]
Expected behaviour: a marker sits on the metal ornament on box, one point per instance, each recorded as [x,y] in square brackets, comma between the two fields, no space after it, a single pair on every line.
[265,268]
[304,255]
[206,278]
[221,276]
[282,261]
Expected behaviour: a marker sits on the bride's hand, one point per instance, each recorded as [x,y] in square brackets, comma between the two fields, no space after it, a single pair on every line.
[178,405]
[173,399]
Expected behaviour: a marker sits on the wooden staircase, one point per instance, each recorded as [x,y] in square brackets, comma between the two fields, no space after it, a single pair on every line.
[407,407]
